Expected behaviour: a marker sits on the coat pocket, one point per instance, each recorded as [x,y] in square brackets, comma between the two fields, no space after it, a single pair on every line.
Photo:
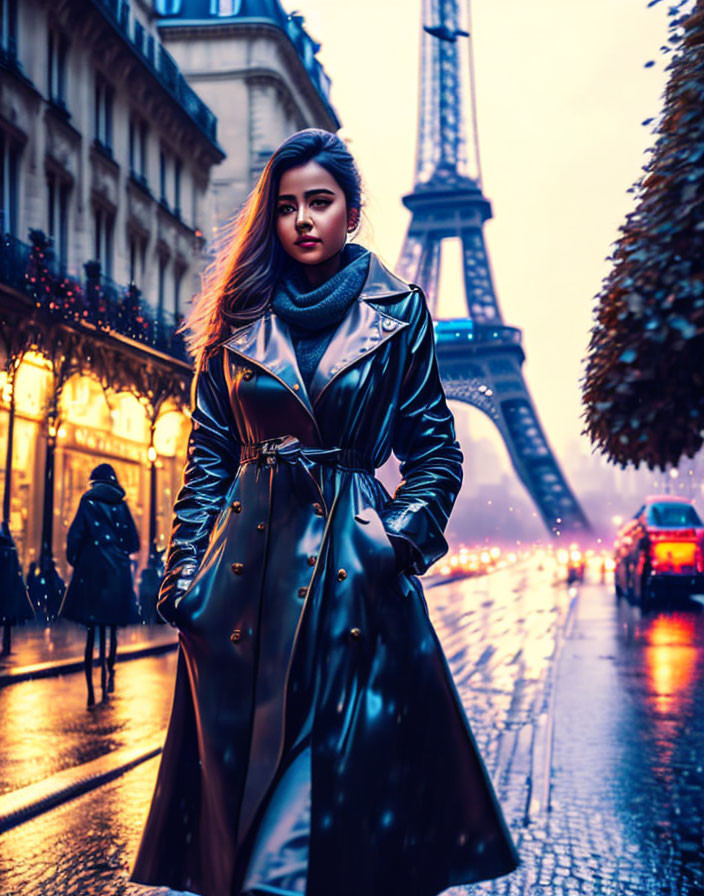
[374,545]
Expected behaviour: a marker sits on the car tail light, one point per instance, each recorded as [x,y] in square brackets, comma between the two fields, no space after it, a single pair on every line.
[673,551]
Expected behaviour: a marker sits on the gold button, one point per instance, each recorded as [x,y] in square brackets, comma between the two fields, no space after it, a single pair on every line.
[311,560]
[237,568]
[318,509]
[235,636]
[302,592]
[247,374]
[355,634]
[260,527]
[237,507]
[296,387]
[341,575]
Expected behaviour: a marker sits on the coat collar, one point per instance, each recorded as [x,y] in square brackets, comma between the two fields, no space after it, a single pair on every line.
[266,341]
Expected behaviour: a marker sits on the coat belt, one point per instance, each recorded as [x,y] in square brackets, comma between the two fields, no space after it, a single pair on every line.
[288,449]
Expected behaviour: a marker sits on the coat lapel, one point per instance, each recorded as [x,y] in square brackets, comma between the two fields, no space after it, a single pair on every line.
[266,341]
[362,330]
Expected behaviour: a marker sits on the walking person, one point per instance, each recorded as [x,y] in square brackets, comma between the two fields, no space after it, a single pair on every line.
[101,592]
[15,605]
[317,743]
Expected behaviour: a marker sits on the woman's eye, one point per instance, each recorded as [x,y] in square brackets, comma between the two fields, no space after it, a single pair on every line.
[320,203]
[285,209]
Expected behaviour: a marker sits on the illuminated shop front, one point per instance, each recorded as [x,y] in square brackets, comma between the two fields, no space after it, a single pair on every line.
[94,425]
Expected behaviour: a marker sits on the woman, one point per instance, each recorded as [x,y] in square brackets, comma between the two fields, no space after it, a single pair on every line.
[317,744]
[100,540]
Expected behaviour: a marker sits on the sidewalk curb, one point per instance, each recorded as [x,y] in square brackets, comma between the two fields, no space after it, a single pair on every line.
[66,667]
[21,805]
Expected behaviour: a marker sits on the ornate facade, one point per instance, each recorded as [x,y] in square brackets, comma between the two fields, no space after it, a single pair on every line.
[106,161]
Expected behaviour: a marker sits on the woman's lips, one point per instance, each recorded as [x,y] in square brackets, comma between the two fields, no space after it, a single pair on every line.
[307,244]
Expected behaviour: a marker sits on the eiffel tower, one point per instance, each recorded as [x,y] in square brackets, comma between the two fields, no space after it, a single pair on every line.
[480,357]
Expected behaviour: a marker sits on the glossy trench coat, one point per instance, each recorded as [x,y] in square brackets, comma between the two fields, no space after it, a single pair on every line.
[294,622]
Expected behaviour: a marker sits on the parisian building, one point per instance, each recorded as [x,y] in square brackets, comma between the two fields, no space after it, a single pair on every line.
[256,68]
[114,174]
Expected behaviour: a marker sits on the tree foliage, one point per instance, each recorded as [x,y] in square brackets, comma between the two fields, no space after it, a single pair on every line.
[643,389]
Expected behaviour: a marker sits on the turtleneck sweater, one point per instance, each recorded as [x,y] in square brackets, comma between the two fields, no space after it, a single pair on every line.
[312,315]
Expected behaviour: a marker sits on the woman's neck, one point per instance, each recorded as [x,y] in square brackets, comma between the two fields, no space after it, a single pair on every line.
[317,274]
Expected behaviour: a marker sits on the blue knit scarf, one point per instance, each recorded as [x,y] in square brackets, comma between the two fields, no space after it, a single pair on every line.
[312,316]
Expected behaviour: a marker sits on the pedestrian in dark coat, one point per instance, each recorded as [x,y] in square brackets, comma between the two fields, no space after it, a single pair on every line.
[15,605]
[317,743]
[101,592]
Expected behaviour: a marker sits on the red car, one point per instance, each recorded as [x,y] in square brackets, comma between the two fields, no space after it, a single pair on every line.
[660,551]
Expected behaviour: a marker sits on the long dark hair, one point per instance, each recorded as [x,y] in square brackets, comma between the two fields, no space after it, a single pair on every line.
[238,285]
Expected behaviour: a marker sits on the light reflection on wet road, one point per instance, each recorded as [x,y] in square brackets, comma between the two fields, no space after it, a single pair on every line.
[627,783]
[50,728]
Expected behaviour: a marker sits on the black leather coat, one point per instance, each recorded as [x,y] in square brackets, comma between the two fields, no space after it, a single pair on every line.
[100,540]
[296,627]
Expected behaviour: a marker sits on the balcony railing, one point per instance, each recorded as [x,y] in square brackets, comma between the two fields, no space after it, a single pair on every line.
[161,63]
[96,301]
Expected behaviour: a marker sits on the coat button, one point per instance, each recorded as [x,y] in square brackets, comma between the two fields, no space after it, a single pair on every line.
[388,324]
[355,633]
[235,636]
[302,592]
[312,559]
[318,509]
[237,568]
[261,527]
[341,575]
[296,387]
[237,507]
[247,373]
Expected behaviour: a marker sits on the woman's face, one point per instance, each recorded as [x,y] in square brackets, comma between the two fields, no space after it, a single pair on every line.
[312,219]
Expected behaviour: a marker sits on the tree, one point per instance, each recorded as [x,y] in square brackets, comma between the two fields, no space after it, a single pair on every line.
[643,389]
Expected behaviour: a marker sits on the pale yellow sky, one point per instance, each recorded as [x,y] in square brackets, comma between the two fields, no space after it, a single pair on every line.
[562,91]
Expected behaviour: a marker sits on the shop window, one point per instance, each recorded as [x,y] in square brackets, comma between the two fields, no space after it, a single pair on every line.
[56,68]
[103,113]
[58,199]
[9,170]
[103,239]
[8,29]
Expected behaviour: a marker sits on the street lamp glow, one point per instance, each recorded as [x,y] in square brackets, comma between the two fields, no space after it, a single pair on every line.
[151,454]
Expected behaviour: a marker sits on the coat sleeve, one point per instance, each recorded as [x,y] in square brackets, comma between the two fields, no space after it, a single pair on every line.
[76,534]
[425,444]
[211,465]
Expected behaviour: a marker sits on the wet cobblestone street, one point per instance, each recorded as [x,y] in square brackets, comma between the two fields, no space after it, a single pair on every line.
[570,695]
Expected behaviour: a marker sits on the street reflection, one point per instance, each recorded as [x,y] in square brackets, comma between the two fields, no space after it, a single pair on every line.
[670,660]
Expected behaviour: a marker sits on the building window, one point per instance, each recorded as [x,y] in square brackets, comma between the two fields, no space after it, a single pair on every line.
[9,169]
[103,113]
[167,7]
[137,259]
[178,277]
[161,288]
[58,197]
[162,176]
[8,28]
[56,68]
[103,229]
[177,187]
[225,7]
[138,136]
